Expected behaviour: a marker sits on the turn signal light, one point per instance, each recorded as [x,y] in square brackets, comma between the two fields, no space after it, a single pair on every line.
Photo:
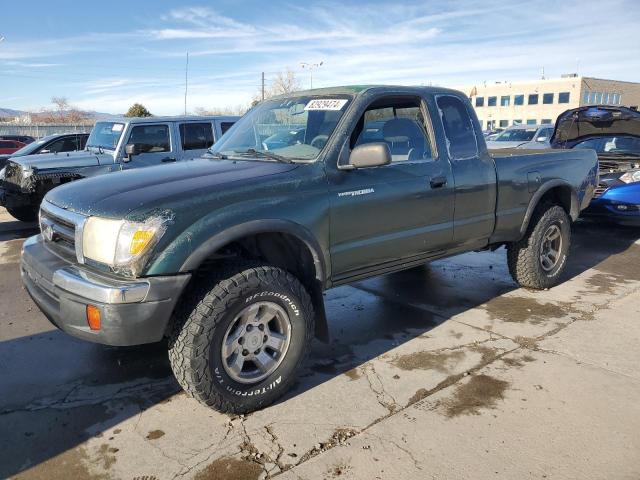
[93,317]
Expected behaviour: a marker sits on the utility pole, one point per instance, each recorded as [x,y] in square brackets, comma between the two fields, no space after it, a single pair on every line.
[186,83]
[262,85]
[311,67]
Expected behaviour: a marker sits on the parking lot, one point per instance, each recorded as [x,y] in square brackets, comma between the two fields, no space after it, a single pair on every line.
[443,371]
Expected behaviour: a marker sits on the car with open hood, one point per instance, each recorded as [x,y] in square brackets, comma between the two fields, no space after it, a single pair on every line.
[614,133]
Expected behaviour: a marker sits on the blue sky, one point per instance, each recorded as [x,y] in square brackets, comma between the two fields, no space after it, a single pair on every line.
[107,55]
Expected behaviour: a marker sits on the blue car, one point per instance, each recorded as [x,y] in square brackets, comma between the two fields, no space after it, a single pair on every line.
[614,133]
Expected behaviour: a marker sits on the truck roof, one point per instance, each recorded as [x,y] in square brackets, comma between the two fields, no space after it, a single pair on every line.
[360,89]
[176,118]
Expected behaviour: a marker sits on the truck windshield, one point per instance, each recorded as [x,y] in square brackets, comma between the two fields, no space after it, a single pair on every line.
[105,135]
[516,135]
[296,128]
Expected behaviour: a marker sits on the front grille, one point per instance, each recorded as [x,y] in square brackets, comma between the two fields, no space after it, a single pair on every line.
[600,189]
[13,175]
[59,227]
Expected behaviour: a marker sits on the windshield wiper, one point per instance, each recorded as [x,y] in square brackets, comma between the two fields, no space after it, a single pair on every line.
[252,152]
[221,156]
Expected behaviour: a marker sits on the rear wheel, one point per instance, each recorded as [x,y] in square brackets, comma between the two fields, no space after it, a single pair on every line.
[24,214]
[239,342]
[539,258]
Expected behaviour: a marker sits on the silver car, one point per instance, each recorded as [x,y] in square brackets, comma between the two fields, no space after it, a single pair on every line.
[523,136]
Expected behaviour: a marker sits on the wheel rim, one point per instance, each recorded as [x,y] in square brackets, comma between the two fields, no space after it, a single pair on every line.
[256,342]
[550,248]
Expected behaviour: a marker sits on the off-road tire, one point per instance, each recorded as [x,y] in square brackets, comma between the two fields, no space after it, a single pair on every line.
[523,257]
[24,214]
[201,320]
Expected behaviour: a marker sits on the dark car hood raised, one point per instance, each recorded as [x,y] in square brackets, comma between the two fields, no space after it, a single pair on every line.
[116,194]
[593,121]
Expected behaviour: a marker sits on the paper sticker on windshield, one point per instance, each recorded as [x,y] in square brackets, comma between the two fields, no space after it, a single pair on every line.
[117,127]
[326,104]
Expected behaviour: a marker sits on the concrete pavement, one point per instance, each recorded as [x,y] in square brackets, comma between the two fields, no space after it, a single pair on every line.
[445,371]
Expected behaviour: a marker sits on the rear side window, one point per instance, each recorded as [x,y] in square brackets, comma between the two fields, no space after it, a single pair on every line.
[196,136]
[461,138]
[82,141]
[151,138]
[224,126]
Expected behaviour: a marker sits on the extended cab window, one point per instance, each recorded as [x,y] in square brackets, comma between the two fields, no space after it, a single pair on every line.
[400,124]
[457,128]
[151,138]
[224,126]
[196,136]
[67,144]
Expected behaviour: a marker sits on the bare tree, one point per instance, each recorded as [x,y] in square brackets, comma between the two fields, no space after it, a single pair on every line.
[284,82]
[236,110]
[62,106]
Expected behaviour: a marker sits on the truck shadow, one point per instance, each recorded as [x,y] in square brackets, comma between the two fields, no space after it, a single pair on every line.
[59,392]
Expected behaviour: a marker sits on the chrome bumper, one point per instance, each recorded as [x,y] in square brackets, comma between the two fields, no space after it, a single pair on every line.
[99,289]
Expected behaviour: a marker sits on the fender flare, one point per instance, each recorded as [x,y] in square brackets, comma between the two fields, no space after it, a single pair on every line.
[254,227]
[574,207]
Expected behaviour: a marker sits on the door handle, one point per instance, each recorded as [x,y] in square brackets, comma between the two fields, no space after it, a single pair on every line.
[168,159]
[437,182]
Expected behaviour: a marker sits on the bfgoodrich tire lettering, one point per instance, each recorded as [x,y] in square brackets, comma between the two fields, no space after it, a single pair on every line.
[203,320]
[524,257]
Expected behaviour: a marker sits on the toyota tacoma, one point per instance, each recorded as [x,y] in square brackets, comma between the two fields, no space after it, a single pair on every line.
[227,256]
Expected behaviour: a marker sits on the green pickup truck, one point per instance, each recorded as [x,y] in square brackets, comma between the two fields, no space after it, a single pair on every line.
[227,256]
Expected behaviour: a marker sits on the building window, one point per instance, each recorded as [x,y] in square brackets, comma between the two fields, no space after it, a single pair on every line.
[505,101]
[479,101]
[597,97]
[546,121]
[504,123]
[563,97]
[533,99]
[586,97]
[518,99]
[531,121]
[517,122]
[491,124]
[616,99]
[491,101]
[547,98]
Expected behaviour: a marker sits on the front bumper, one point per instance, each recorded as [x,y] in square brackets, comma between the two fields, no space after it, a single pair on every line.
[620,204]
[132,312]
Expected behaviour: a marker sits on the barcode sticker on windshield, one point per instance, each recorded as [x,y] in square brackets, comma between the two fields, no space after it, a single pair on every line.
[117,127]
[326,104]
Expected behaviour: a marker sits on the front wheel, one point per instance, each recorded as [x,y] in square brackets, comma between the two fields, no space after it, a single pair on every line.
[539,258]
[241,340]
[24,214]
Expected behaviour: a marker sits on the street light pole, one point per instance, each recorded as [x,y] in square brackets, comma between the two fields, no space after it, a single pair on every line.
[311,67]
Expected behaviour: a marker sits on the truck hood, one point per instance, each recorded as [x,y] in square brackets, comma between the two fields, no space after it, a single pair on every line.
[580,123]
[62,160]
[116,194]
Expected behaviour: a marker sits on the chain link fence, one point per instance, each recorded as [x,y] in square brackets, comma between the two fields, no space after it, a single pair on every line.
[42,130]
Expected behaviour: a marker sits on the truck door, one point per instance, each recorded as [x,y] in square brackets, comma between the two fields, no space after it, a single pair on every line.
[396,213]
[195,138]
[153,143]
[474,174]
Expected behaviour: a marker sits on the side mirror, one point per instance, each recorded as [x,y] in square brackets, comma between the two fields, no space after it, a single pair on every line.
[130,149]
[370,155]
[542,139]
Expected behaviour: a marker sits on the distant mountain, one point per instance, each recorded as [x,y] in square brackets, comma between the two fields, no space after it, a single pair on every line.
[8,112]
[93,115]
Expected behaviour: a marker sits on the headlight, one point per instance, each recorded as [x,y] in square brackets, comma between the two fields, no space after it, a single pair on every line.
[120,243]
[631,177]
